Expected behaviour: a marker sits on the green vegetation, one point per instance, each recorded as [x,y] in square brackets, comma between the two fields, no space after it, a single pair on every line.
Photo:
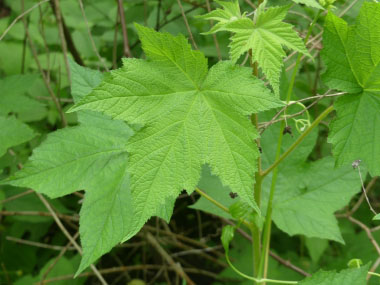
[189,142]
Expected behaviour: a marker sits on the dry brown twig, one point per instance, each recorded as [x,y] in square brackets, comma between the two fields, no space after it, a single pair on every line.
[36,213]
[94,48]
[187,24]
[362,197]
[14,197]
[58,17]
[214,35]
[44,77]
[139,267]
[36,244]
[127,50]
[265,125]
[21,16]
[176,266]
[366,229]
[52,265]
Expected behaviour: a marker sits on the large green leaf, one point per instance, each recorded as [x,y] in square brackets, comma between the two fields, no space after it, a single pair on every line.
[91,156]
[192,116]
[13,132]
[352,56]
[264,36]
[308,195]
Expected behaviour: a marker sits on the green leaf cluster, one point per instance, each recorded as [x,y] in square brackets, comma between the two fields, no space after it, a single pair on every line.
[263,36]
[189,116]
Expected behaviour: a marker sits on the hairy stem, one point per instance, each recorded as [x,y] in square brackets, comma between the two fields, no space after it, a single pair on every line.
[263,266]
[219,205]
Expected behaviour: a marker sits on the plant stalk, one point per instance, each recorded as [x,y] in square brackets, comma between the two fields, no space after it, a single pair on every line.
[263,266]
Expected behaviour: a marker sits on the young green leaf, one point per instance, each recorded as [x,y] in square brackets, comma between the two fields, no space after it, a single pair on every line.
[264,36]
[229,13]
[192,116]
[227,236]
[376,218]
[352,56]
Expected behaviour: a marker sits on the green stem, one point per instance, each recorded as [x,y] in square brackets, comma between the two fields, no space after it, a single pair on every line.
[255,231]
[257,280]
[268,219]
[212,200]
[280,158]
[373,273]
[219,205]
[298,141]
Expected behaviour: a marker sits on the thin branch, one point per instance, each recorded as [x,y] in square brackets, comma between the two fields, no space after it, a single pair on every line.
[45,79]
[36,244]
[90,36]
[187,24]
[127,50]
[69,237]
[46,98]
[364,191]
[158,15]
[36,213]
[318,37]
[140,267]
[46,46]
[14,197]
[69,40]
[176,266]
[196,251]
[114,47]
[249,2]
[263,126]
[61,33]
[52,265]
[20,17]
[374,267]
[361,199]
[298,141]
[348,8]
[367,231]
[214,34]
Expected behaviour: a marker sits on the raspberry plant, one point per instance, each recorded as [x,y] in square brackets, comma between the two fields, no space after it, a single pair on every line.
[230,131]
